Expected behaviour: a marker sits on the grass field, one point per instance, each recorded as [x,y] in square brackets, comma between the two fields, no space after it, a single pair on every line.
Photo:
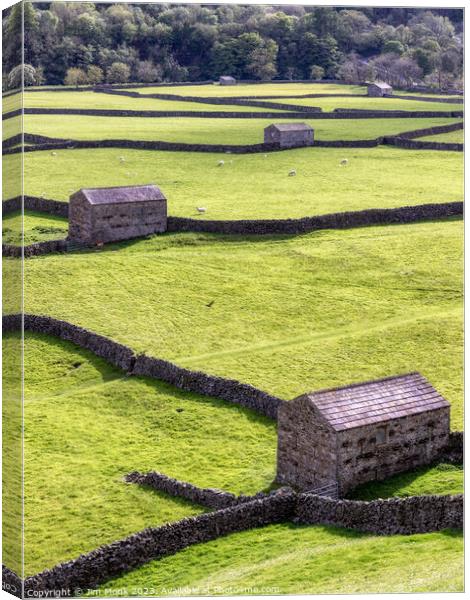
[453,136]
[112,102]
[289,315]
[289,559]
[37,227]
[286,314]
[71,397]
[87,426]
[329,104]
[211,131]
[254,186]
[259,89]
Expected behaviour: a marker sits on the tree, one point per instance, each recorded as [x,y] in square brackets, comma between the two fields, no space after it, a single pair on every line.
[76,76]
[262,60]
[118,72]
[317,72]
[95,74]
[148,72]
[23,74]
[393,46]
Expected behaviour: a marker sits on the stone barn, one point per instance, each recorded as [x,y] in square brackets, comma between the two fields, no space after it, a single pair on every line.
[289,135]
[342,437]
[379,88]
[227,80]
[100,215]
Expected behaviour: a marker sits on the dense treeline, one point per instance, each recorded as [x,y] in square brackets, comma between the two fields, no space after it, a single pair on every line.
[79,43]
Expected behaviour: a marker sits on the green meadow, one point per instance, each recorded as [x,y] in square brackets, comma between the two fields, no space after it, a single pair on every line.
[290,559]
[102,101]
[287,314]
[452,136]
[210,131]
[253,90]
[37,227]
[365,103]
[254,185]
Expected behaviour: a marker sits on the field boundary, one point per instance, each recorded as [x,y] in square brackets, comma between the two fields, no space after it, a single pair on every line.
[297,114]
[42,143]
[344,220]
[418,514]
[209,497]
[124,358]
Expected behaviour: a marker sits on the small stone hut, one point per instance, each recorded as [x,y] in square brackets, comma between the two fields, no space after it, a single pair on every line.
[227,80]
[100,215]
[379,88]
[346,436]
[289,135]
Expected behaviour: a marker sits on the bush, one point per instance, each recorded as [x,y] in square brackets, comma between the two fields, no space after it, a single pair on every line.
[118,72]
[95,74]
[317,72]
[76,77]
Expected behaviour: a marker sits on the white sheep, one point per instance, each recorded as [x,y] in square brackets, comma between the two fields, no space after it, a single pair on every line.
[122,159]
[221,163]
[265,156]
[53,153]
[200,209]
[292,173]
[344,162]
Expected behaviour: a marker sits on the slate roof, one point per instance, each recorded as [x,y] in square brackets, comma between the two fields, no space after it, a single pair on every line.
[122,194]
[226,78]
[382,85]
[291,127]
[377,401]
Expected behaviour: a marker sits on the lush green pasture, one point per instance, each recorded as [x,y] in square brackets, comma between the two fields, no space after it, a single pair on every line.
[108,101]
[10,103]
[11,127]
[329,104]
[290,559]
[259,89]
[453,136]
[288,315]
[254,185]
[87,425]
[210,131]
[37,227]
[440,479]
[71,397]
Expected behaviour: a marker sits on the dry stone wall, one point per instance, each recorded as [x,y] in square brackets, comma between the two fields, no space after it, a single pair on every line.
[212,498]
[417,514]
[96,567]
[346,220]
[124,358]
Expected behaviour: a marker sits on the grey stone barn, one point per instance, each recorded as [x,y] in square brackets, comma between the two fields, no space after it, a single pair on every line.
[101,215]
[379,88]
[227,80]
[289,135]
[346,436]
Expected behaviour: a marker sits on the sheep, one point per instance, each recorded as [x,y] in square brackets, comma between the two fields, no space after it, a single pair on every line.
[344,162]
[53,153]
[265,156]
[122,159]
[292,173]
[200,209]
[221,163]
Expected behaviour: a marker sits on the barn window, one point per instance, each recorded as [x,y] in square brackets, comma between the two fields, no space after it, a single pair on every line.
[381,435]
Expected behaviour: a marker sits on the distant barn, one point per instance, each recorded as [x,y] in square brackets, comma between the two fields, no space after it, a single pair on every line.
[342,437]
[227,80]
[379,88]
[289,135]
[100,215]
